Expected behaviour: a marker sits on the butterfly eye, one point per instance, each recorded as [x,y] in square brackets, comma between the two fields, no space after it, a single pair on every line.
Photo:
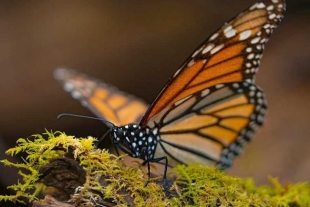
[119,132]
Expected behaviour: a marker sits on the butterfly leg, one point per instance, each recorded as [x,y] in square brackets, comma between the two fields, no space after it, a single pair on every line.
[165,172]
[148,172]
[144,162]
[147,161]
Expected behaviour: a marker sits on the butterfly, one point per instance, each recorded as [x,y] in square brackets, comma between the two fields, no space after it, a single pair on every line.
[208,110]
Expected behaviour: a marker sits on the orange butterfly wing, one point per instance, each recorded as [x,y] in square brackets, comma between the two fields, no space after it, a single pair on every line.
[231,54]
[104,100]
[211,126]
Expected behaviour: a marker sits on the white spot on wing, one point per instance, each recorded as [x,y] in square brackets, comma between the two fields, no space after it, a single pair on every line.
[271,7]
[197,51]
[245,35]
[218,86]
[266,26]
[59,73]
[84,103]
[235,85]
[76,94]
[255,40]
[230,33]
[176,73]
[252,88]
[250,56]
[182,100]
[260,5]
[68,86]
[192,62]
[253,6]
[215,35]
[272,16]
[205,92]
[259,94]
[217,48]
[227,29]
[208,48]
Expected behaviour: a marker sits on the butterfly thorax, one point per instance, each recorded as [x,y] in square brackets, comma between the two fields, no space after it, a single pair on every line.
[136,141]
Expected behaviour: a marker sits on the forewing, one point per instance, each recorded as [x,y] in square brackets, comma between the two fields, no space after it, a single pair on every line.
[104,100]
[231,54]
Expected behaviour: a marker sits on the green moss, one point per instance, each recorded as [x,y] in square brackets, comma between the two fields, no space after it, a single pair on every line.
[205,186]
[107,179]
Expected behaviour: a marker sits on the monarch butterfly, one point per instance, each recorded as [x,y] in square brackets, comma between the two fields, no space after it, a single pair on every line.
[208,110]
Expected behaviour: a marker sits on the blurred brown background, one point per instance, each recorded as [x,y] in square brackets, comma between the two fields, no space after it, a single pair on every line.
[137,46]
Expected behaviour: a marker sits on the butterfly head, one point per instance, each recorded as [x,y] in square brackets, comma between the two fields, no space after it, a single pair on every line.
[136,141]
[124,136]
[119,135]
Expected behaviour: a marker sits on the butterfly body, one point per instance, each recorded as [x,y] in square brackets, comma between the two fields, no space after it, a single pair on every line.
[138,142]
[209,109]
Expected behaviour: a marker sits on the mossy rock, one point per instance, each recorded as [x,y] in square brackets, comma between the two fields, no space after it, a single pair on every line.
[71,172]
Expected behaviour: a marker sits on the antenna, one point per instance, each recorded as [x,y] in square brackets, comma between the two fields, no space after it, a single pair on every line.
[86,117]
[102,138]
